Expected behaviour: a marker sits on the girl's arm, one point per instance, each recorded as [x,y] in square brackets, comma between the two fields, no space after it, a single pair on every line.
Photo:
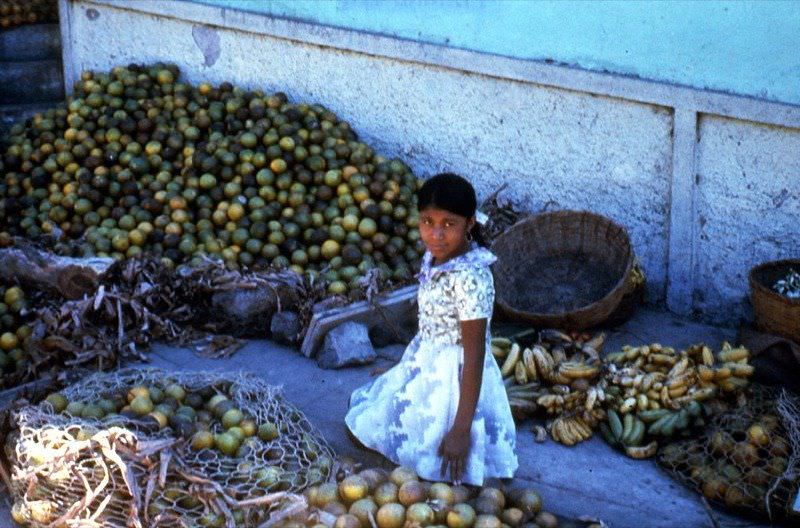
[455,445]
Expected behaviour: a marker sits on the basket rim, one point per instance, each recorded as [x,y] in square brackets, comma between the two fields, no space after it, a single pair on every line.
[615,291]
[757,287]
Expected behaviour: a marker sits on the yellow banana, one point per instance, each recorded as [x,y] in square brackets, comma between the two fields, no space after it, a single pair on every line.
[708,356]
[575,370]
[530,364]
[705,373]
[732,384]
[628,405]
[733,354]
[646,451]
[642,402]
[722,373]
[591,398]
[679,368]
[511,360]
[544,362]
[741,370]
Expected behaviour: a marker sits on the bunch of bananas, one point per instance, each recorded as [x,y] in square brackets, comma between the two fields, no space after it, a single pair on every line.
[656,391]
[560,376]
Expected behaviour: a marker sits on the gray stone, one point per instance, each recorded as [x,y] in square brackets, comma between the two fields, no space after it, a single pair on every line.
[284,327]
[245,313]
[345,345]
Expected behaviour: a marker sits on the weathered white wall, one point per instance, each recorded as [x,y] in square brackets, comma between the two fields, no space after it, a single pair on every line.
[557,144]
[748,208]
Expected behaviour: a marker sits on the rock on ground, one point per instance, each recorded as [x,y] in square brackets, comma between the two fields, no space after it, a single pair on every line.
[346,345]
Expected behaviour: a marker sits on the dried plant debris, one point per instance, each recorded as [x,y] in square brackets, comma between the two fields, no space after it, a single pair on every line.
[501,215]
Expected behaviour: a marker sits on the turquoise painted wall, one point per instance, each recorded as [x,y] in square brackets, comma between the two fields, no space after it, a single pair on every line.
[743,47]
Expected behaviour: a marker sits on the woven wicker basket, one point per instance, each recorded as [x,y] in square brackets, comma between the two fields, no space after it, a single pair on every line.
[774,313]
[566,269]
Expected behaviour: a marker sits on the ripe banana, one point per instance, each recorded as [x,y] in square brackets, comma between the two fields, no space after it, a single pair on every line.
[530,364]
[511,360]
[732,354]
[544,362]
[575,370]
[646,451]
[740,370]
[705,373]
[708,356]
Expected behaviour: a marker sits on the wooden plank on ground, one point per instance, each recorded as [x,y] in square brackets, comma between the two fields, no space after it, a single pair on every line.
[392,308]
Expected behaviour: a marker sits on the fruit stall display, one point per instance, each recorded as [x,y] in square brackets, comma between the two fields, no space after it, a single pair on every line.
[635,397]
[397,499]
[748,458]
[139,161]
[145,445]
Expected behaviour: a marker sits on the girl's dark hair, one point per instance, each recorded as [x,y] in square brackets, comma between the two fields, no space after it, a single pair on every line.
[452,193]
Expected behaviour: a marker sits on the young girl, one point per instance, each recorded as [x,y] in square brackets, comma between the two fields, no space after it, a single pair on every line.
[442,409]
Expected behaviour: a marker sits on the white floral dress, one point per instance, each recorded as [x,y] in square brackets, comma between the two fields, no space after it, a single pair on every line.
[405,413]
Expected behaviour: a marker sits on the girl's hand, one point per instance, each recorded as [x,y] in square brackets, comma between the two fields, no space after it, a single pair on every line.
[454,450]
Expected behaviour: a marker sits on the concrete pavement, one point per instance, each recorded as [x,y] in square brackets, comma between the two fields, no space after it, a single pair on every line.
[588,479]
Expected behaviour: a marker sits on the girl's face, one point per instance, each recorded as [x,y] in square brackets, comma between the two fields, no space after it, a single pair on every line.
[444,233]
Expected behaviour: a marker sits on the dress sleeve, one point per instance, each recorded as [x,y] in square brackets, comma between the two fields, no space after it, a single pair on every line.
[474,294]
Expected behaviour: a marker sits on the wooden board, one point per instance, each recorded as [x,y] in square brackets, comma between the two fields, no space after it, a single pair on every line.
[396,306]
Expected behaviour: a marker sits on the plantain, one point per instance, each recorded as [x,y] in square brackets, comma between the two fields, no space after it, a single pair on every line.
[615,424]
[651,416]
[520,373]
[657,427]
[608,436]
[637,433]
[511,360]
[627,428]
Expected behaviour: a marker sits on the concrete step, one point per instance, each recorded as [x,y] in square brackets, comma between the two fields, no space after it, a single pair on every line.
[31,42]
[31,81]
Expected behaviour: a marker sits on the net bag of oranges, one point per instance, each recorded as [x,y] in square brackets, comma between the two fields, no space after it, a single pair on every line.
[749,459]
[140,447]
